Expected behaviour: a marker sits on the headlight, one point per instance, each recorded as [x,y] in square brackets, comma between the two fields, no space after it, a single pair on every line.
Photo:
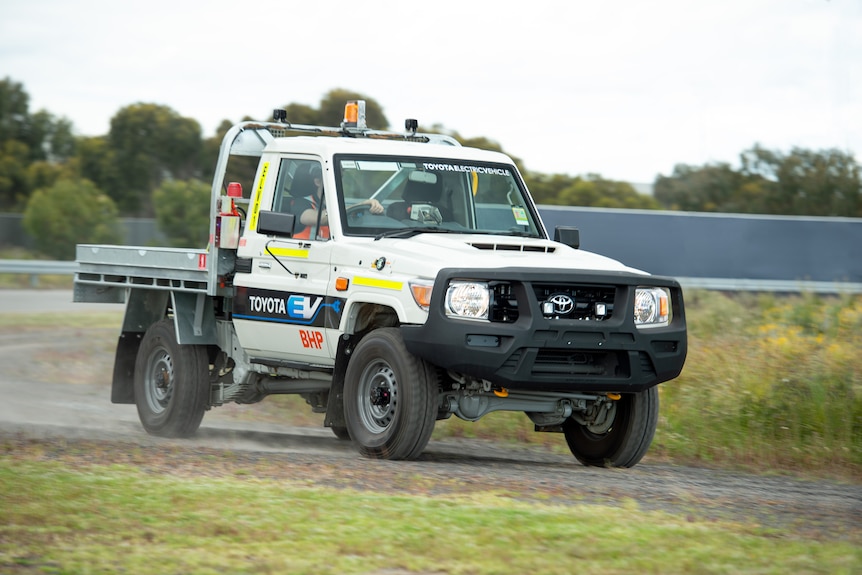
[468,300]
[652,307]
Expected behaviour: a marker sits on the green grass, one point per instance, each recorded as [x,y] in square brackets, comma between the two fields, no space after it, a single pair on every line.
[82,320]
[769,382]
[109,519]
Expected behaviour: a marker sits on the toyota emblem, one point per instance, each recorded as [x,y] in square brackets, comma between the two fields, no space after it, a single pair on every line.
[563,304]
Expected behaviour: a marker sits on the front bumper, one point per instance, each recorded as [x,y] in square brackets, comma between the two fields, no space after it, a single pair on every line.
[540,353]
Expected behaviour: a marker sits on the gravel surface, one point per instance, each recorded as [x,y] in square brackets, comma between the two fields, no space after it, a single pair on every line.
[55,385]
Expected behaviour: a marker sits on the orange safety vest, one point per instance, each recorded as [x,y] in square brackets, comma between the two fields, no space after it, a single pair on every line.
[305,234]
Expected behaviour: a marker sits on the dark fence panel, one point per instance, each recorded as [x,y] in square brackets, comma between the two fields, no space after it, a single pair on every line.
[755,252]
[12,232]
[686,244]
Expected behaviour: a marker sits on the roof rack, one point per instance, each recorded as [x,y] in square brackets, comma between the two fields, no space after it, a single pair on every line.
[354,126]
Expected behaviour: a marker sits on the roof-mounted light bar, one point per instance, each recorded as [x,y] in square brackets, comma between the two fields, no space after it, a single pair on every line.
[353,126]
[354,115]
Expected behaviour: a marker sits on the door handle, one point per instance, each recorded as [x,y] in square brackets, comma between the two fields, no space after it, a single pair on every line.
[264,265]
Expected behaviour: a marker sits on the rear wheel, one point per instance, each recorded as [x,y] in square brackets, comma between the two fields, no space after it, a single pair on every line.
[340,432]
[171,383]
[390,397]
[623,439]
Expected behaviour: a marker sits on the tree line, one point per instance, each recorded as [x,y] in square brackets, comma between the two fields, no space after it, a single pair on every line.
[154,162]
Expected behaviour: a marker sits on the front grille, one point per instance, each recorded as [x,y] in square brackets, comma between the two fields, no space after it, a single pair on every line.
[575,302]
[565,301]
[569,362]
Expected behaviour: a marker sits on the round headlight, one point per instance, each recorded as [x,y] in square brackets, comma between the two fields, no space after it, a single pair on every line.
[651,306]
[645,307]
[468,299]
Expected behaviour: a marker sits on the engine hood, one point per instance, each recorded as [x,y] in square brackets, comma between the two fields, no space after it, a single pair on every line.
[424,254]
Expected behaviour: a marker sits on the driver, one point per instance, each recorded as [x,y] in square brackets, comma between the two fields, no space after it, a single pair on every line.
[306,209]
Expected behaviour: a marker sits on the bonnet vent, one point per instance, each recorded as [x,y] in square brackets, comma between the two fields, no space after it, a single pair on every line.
[513,247]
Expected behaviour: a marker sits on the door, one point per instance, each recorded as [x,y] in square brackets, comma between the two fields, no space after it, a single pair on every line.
[281,310]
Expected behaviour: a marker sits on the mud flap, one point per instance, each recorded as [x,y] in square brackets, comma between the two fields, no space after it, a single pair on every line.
[143,309]
[335,403]
[122,386]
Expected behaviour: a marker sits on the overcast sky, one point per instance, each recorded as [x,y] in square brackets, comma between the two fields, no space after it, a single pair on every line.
[623,88]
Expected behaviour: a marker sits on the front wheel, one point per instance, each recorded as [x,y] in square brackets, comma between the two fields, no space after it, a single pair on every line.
[623,439]
[171,383]
[390,397]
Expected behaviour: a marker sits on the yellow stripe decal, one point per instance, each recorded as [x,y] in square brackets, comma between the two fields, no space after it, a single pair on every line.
[378,283]
[289,252]
[258,193]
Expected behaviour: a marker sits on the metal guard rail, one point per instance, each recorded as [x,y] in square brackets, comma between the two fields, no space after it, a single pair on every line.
[35,268]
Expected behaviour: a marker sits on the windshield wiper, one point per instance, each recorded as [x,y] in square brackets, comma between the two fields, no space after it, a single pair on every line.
[519,234]
[410,232]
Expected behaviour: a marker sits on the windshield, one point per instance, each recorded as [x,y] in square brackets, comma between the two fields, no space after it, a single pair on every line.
[431,194]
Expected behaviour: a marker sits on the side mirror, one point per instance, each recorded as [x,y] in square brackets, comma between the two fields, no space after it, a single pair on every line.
[275,224]
[568,235]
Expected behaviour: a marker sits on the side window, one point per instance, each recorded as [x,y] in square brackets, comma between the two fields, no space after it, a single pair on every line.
[298,190]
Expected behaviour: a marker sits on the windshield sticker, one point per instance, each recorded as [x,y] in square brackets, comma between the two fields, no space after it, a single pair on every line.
[520,216]
[476,169]
[377,166]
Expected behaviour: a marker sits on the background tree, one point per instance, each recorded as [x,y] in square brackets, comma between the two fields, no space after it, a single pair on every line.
[240,169]
[151,143]
[96,161]
[805,182]
[595,191]
[68,213]
[26,138]
[14,111]
[709,188]
[304,114]
[14,188]
[546,188]
[44,174]
[183,212]
[49,138]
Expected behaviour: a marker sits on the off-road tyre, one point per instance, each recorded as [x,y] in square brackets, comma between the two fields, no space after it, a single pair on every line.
[340,432]
[628,438]
[171,383]
[390,397]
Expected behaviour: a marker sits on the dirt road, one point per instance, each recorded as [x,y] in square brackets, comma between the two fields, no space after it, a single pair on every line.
[56,393]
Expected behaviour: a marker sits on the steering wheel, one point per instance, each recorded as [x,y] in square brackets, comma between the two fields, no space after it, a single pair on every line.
[357,212]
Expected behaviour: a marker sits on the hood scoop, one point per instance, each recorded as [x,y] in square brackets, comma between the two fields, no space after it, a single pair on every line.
[503,247]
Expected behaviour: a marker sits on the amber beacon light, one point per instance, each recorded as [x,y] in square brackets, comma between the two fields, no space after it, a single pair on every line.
[354,114]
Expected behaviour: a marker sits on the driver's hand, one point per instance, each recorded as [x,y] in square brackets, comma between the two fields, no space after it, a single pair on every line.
[376,207]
